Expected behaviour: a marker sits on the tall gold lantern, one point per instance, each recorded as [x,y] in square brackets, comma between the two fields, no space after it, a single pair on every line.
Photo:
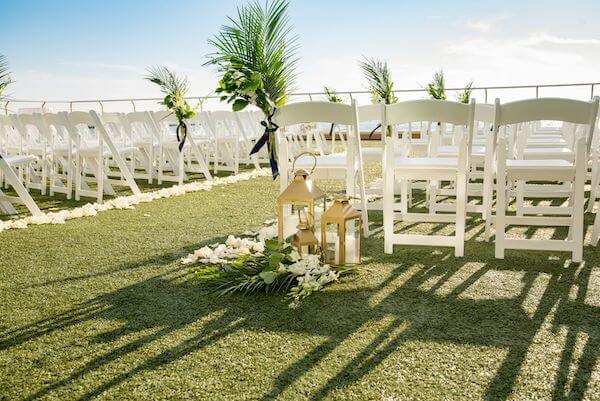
[341,228]
[302,195]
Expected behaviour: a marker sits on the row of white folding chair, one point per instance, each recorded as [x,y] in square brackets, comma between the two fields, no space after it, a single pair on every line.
[522,170]
[428,168]
[67,150]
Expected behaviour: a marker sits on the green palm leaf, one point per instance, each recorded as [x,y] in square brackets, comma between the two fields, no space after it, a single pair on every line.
[332,95]
[465,95]
[256,55]
[379,80]
[437,87]
[5,78]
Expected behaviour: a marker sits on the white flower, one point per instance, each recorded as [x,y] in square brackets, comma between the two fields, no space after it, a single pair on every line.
[258,247]
[203,253]
[295,256]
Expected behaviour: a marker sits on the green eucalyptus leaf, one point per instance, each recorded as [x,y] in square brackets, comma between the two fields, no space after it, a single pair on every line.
[268,276]
[240,104]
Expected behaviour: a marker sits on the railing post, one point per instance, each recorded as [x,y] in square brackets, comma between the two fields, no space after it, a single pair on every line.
[200,105]
[310,97]
[485,95]
[133,103]
[350,93]
[70,106]
[537,92]
[6,107]
[101,106]
[42,106]
[592,93]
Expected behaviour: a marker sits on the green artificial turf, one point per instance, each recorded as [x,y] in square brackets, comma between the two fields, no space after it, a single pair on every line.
[100,308]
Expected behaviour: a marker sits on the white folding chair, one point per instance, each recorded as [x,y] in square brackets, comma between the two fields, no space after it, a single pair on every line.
[542,170]
[347,166]
[169,156]
[37,142]
[143,135]
[406,169]
[94,149]
[7,163]
[227,150]
[64,153]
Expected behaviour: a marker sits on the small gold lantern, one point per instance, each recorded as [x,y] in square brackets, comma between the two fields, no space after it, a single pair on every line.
[301,196]
[305,240]
[341,228]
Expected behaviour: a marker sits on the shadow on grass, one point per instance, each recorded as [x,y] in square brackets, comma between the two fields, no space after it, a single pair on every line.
[153,309]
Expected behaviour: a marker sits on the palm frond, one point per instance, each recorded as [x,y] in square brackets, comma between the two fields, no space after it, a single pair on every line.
[168,81]
[332,95]
[259,39]
[437,87]
[5,78]
[465,95]
[379,80]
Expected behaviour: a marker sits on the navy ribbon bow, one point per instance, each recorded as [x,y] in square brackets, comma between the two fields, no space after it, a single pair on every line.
[270,127]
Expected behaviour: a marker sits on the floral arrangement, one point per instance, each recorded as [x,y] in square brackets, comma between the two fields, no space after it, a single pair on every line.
[256,56]
[128,202]
[174,88]
[258,262]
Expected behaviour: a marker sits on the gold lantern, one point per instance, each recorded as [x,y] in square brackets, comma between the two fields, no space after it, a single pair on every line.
[301,196]
[305,240]
[341,228]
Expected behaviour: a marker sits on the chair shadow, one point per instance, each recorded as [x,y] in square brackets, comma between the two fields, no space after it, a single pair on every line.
[157,307]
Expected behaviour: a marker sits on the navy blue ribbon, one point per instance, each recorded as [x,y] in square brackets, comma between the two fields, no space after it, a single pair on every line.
[270,128]
[184,136]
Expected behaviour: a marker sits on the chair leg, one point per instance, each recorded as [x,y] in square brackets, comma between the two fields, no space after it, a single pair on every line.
[388,211]
[578,206]
[461,215]
[593,189]
[501,190]
[403,195]
[520,197]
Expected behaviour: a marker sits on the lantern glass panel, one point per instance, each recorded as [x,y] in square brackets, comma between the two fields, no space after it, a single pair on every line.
[352,242]
[333,242]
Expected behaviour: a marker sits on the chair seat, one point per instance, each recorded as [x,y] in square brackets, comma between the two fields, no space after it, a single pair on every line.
[16,160]
[548,153]
[426,162]
[546,164]
[337,160]
[543,170]
[106,152]
[453,150]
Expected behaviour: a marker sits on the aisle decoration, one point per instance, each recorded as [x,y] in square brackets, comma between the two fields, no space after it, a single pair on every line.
[256,56]
[174,88]
[257,262]
[379,84]
[128,202]
[341,226]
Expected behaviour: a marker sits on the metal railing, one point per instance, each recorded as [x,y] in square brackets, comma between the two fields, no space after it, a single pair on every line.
[309,95]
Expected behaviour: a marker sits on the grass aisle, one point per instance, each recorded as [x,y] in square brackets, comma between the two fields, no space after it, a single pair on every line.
[99,308]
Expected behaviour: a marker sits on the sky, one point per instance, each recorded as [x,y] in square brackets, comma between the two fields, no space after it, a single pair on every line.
[100,49]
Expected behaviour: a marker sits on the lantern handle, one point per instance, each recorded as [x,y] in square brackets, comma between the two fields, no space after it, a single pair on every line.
[302,154]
